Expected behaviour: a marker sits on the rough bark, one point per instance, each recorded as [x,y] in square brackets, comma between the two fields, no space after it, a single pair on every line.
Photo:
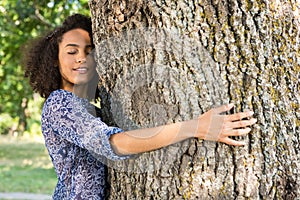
[167,61]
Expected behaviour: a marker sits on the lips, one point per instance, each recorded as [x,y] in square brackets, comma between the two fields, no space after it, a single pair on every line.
[81,70]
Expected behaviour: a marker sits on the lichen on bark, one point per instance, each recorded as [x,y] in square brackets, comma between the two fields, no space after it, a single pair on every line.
[180,58]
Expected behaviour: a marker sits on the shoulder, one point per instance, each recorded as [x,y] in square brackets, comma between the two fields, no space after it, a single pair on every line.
[59,96]
[58,99]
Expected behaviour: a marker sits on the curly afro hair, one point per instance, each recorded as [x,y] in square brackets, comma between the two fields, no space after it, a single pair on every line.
[41,61]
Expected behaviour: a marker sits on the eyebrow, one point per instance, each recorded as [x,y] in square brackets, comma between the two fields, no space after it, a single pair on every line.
[76,45]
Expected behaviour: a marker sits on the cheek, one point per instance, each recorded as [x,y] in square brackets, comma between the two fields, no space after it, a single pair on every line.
[65,62]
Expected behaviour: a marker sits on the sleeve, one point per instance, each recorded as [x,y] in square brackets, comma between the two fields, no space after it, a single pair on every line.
[68,118]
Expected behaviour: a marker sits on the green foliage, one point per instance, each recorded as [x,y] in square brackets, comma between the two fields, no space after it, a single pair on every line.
[21,21]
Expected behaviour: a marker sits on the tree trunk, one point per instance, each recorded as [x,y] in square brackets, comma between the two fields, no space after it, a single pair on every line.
[167,61]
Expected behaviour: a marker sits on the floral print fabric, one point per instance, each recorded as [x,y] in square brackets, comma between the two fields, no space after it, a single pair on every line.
[78,143]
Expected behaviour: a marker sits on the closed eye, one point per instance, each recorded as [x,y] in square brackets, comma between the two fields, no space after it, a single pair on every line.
[72,52]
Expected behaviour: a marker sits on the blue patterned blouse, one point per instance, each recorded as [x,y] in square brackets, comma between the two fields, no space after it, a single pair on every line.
[77,142]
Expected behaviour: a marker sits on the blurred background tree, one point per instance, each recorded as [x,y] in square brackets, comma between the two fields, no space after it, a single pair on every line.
[21,21]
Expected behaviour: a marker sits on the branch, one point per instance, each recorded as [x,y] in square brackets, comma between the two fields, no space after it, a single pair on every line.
[41,17]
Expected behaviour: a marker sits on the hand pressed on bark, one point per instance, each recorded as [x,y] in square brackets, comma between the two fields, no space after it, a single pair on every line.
[214,126]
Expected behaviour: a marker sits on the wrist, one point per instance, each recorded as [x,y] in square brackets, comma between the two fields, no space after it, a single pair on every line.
[189,128]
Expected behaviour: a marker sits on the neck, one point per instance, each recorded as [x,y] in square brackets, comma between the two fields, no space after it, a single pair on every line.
[83,91]
[87,90]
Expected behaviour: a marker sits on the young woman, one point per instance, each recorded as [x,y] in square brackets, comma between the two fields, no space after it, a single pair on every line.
[60,70]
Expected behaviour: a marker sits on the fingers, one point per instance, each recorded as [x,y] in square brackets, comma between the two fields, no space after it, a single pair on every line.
[235,132]
[217,127]
[230,141]
[239,116]
[238,132]
[241,124]
[237,129]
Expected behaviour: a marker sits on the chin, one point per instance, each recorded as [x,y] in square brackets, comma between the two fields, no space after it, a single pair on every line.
[84,82]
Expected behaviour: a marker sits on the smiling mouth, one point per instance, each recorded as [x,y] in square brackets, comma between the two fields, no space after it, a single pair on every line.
[81,70]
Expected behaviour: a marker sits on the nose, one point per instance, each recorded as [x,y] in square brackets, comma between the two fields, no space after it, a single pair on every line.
[81,60]
[81,57]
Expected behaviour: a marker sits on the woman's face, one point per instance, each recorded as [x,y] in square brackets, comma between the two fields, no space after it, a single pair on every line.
[74,66]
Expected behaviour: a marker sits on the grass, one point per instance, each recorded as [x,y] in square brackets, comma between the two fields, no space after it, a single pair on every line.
[25,166]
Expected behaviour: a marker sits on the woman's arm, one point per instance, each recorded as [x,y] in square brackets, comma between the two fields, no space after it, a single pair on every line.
[210,126]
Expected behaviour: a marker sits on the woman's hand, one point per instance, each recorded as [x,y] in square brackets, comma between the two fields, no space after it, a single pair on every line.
[214,126]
